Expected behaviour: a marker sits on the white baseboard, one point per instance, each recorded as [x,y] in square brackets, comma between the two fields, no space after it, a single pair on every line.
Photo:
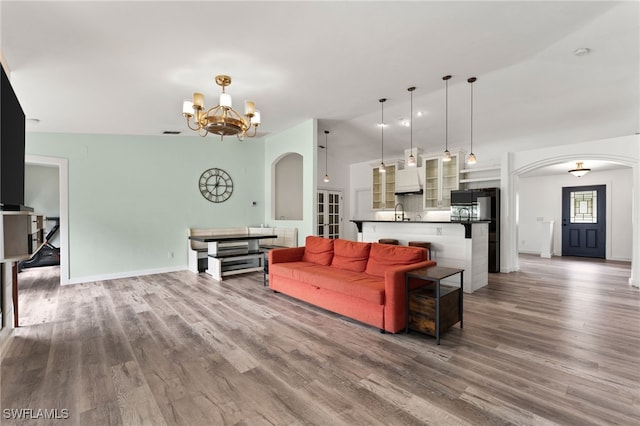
[128,274]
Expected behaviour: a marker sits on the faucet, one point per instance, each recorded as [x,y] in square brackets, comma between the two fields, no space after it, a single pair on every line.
[395,212]
[468,213]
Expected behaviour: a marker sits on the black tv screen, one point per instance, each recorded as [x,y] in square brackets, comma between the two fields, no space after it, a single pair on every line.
[12,139]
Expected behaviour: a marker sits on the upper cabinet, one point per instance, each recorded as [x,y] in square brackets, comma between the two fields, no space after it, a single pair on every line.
[440,179]
[383,188]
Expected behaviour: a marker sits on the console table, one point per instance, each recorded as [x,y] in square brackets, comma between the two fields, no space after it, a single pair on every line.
[425,303]
[233,254]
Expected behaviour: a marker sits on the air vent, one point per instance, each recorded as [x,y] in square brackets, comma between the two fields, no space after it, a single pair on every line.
[171,132]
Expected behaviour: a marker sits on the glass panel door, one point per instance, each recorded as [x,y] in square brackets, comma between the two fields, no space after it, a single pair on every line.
[329,214]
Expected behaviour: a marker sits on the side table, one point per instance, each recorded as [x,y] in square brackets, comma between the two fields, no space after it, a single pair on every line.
[434,274]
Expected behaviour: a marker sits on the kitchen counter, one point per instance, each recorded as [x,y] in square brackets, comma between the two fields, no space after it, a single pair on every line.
[454,246]
[466,223]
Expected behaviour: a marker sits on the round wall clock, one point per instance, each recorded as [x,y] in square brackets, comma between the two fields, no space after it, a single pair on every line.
[215,185]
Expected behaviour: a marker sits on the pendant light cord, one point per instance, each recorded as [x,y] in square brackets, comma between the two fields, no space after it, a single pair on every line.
[326,151]
[382,101]
[411,89]
[446,113]
[472,117]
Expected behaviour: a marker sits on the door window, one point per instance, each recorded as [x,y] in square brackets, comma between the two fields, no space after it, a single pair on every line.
[584,207]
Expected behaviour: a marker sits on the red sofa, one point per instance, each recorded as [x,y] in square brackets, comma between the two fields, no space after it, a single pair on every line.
[363,281]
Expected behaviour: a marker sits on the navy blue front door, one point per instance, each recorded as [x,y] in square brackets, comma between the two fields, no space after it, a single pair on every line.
[584,221]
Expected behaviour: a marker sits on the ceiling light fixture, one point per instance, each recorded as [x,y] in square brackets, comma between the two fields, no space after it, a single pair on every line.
[579,171]
[411,161]
[326,155]
[447,155]
[381,167]
[471,158]
[222,119]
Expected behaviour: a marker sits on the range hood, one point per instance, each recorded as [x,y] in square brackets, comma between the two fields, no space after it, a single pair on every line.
[408,181]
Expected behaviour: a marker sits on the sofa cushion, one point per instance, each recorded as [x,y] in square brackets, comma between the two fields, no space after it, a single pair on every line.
[318,250]
[350,255]
[385,256]
[355,284]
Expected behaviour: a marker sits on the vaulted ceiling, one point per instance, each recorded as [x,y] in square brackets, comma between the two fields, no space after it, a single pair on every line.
[123,67]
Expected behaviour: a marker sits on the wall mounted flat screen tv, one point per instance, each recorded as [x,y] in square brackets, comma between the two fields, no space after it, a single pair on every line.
[12,140]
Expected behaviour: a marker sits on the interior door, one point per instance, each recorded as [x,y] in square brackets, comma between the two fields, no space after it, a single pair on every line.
[329,214]
[584,221]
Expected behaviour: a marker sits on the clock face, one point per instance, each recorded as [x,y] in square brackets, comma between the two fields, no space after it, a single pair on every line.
[215,185]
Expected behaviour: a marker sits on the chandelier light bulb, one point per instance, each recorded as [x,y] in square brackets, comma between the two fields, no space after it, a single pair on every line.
[187,107]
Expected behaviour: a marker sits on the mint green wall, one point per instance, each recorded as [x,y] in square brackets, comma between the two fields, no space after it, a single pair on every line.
[132,198]
[300,139]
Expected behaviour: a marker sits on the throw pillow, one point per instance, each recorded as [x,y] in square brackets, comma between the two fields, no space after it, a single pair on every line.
[385,256]
[350,255]
[318,250]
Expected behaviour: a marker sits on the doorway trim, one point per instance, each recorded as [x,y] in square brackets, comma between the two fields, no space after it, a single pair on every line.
[63,180]
[624,150]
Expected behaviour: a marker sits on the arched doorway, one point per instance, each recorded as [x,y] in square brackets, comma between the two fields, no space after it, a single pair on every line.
[622,151]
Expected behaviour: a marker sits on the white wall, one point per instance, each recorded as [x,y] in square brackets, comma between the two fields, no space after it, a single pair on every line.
[541,197]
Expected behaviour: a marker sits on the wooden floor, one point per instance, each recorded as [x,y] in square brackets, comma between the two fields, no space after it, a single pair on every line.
[557,343]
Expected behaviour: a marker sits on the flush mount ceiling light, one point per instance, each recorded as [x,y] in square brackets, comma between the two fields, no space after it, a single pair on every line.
[381,167]
[222,119]
[411,161]
[471,158]
[326,155]
[579,171]
[447,155]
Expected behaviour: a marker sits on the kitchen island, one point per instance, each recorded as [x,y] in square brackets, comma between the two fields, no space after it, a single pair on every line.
[463,245]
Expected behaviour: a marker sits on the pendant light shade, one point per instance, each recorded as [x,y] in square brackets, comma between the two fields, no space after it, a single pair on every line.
[471,158]
[411,161]
[579,171]
[382,167]
[447,155]
[326,155]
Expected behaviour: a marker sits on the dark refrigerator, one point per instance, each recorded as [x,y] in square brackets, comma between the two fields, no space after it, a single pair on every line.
[484,203]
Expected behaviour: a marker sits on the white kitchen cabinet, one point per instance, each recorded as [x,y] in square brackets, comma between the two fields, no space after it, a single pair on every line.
[384,188]
[440,179]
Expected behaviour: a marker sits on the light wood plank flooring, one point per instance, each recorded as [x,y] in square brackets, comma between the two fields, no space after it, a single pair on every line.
[556,343]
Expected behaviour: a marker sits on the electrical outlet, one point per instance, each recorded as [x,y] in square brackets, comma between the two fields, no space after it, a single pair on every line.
[438,231]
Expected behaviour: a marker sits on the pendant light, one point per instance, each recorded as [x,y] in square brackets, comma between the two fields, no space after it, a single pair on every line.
[471,158]
[447,155]
[326,155]
[411,161]
[382,168]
